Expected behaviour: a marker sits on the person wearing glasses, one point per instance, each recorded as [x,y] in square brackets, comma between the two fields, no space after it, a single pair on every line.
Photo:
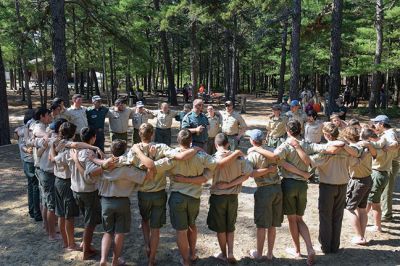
[119,120]
[233,125]
[197,123]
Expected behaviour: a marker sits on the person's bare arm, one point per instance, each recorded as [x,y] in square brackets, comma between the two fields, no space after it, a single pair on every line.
[233,183]
[291,168]
[187,154]
[350,150]
[266,153]
[303,156]
[146,161]
[42,148]
[263,171]
[83,145]
[78,165]
[198,180]
[229,158]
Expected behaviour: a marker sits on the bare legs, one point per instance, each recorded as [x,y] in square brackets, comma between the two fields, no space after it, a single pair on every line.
[105,248]
[376,210]
[299,228]
[151,239]
[358,220]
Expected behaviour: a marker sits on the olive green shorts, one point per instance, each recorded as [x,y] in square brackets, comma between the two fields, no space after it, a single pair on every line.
[183,210]
[380,180]
[268,206]
[116,214]
[152,206]
[294,196]
[222,213]
[64,199]
[89,205]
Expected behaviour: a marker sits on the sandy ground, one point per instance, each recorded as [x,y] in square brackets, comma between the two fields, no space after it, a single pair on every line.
[22,241]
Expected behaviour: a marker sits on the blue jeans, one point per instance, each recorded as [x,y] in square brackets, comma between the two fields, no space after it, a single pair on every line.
[33,191]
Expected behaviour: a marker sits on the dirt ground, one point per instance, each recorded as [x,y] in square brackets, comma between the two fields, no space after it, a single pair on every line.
[22,241]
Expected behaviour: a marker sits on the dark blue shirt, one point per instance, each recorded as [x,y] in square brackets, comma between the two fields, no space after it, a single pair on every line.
[192,120]
[96,117]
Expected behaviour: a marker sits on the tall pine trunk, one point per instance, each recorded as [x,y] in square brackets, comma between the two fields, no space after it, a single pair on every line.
[282,69]
[59,54]
[194,59]
[377,75]
[167,61]
[4,119]
[336,41]
[295,62]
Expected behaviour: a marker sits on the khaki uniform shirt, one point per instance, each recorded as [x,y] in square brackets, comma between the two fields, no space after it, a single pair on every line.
[276,126]
[61,168]
[140,118]
[121,181]
[288,153]
[77,117]
[82,183]
[38,129]
[159,181]
[313,132]
[44,162]
[333,169]
[258,161]
[215,125]
[164,120]
[363,165]
[193,167]
[232,123]
[229,173]
[119,121]
[383,160]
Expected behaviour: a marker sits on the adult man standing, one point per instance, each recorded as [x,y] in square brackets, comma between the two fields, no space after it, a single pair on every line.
[215,122]
[164,123]
[233,125]
[76,114]
[197,123]
[276,127]
[96,115]
[119,120]
[140,116]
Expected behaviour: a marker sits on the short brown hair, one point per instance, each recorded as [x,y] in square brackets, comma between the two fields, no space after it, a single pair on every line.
[184,138]
[368,133]
[67,130]
[350,133]
[146,131]
[221,140]
[293,127]
[331,129]
[118,147]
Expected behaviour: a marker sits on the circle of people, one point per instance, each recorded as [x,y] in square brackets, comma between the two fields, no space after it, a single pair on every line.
[62,151]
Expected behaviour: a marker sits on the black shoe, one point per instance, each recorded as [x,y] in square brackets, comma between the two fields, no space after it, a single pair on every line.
[38,219]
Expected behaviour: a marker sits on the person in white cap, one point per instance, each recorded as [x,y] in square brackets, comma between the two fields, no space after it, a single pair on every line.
[140,116]
[96,116]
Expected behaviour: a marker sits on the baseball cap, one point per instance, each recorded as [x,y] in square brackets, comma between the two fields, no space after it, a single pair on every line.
[255,134]
[381,119]
[228,103]
[119,101]
[57,123]
[294,103]
[139,104]
[96,98]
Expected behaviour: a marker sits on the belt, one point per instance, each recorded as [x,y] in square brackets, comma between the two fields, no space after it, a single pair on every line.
[233,135]
[360,177]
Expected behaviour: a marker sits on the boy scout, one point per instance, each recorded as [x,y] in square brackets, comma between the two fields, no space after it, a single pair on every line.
[85,191]
[115,188]
[334,176]
[276,127]
[214,119]
[186,187]
[360,183]
[47,178]
[233,125]
[119,120]
[268,213]
[140,116]
[227,184]
[164,122]
[152,197]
